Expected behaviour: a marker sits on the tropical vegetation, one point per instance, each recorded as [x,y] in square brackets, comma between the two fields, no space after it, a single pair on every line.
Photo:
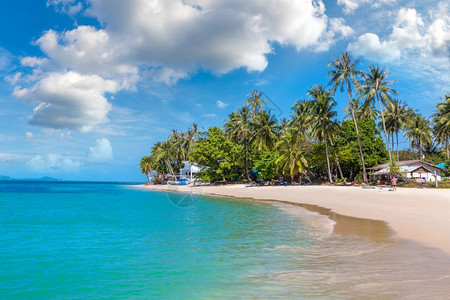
[312,144]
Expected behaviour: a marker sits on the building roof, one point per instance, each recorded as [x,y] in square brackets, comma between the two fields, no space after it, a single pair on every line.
[408,164]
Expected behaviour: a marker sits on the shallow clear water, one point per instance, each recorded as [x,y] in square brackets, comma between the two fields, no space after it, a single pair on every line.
[91,240]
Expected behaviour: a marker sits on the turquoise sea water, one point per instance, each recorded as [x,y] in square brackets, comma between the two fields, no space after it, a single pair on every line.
[92,240]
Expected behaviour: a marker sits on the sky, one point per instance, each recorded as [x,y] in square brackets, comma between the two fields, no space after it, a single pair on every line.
[87,87]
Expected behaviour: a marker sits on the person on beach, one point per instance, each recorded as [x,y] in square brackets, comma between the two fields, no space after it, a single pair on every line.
[394,183]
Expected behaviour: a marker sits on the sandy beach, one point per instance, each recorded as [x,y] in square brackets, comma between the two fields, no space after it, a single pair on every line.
[421,215]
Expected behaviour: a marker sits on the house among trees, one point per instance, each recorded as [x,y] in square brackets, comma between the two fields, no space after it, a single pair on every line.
[189,171]
[418,170]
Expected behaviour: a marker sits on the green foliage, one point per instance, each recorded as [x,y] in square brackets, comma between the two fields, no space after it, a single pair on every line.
[372,144]
[266,165]
[222,156]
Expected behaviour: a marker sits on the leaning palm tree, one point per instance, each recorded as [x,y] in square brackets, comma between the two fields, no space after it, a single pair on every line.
[441,120]
[376,86]
[396,118]
[146,167]
[292,150]
[165,152]
[265,130]
[345,72]
[238,128]
[323,118]
[255,102]
[419,131]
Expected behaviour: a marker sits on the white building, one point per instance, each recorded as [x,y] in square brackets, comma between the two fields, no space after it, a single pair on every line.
[413,169]
[189,171]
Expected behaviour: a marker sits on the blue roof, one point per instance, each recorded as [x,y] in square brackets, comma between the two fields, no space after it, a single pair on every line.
[441,165]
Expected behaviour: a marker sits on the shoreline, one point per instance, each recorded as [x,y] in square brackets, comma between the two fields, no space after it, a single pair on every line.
[419,215]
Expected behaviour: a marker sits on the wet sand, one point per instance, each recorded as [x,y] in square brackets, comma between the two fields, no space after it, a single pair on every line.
[420,215]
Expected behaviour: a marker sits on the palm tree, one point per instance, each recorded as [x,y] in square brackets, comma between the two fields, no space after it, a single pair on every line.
[146,166]
[323,117]
[396,118]
[191,138]
[238,128]
[376,85]
[255,102]
[265,130]
[362,111]
[165,152]
[419,131]
[441,120]
[292,150]
[302,117]
[345,72]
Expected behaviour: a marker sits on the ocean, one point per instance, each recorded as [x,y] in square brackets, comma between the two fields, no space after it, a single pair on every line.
[81,240]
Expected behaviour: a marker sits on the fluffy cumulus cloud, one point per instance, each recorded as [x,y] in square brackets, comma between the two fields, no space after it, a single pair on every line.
[369,45]
[411,36]
[221,104]
[101,152]
[349,6]
[69,100]
[70,7]
[168,40]
[52,163]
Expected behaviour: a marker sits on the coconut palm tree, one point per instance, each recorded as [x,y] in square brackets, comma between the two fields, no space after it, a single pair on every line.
[345,73]
[323,118]
[265,130]
[292,150]
[164,152]
[396,118]
[146,166]
[362,110]
[441,120]
[419,131]
[302,117]
[239,129]
[255,102]
[376,86]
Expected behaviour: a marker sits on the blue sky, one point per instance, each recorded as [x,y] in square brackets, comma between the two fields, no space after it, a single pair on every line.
[88,86]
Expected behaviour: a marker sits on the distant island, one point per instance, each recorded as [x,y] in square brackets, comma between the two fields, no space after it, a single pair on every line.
[45,178]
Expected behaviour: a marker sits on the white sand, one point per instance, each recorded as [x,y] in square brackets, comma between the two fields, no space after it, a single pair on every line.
[422,215]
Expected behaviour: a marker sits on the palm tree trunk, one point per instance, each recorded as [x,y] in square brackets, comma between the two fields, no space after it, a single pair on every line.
[420,149]
[246,160]
[148,177]
[398,153]
[357,132]
[337,161]
[446,144]
[328,159]
[392,136]
[384,128]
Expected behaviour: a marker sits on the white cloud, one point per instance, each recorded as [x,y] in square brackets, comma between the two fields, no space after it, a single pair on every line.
[351,5]
[69,100]
[29,135]
[30,61]
[70,7]
[369,45]
[52,163]
[6,158]
[5,59]
[411,38]
[183,36]
[221,104]
[101,152]
[167,40]
[209,115]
